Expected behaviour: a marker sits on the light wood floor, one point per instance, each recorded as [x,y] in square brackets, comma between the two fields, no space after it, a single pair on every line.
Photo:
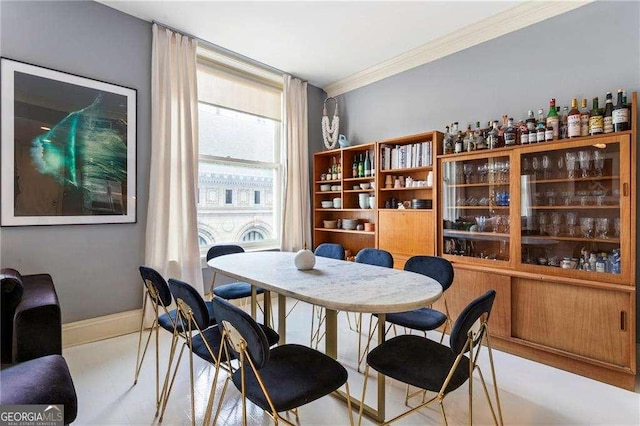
[531,393]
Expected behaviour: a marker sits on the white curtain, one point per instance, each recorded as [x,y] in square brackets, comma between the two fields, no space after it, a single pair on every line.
[172,232]
[296,216]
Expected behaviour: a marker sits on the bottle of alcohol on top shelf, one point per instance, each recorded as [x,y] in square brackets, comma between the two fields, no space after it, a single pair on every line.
[367,165]
[480,141]
[531,121]
[493,139]
[541,127]
[459,144]
[469,144]
[584,119]
[361,166]
[447,144]
[596,122]
[608,114]
[563,123]
[573,120]
[553,120]
[510,133]
[620,114]
[523,132]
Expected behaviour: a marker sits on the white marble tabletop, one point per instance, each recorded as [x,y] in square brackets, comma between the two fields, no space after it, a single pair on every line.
[334,284]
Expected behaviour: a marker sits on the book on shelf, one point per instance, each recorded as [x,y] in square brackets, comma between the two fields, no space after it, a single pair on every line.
[406,156]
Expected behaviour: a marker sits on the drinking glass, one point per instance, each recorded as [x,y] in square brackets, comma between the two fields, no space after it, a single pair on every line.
[505,170]
[546,166]
[598,161]
[586,226]
[480,174]
[616,227]
[526,166]
[567,197]
[481,221]
[506,223]
[585,162]
[551,197]
[572,220]
[571,164]
[556,220]
[543,221]
[602,227]
[560,165]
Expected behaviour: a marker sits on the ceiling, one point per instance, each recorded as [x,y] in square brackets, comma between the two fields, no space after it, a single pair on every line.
[322,42]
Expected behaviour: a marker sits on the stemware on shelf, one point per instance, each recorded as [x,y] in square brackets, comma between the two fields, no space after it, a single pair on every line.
[535,165]
[543,221]
[546,167]
[586,227]
[571,164]
[572,220]
[560,166]
[616,227]
[584,157]
[468,170]
[598,162]
[602,227]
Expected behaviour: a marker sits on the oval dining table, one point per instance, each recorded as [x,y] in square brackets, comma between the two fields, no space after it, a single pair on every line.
[336,285]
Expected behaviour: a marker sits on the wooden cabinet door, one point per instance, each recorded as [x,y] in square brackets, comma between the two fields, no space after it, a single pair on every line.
[588,322]
[467,285]
[406,233]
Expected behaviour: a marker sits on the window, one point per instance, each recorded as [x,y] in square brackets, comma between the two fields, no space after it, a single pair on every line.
[240,129]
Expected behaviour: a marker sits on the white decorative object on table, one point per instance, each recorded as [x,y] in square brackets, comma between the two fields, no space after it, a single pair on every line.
[304,260]
[330,130]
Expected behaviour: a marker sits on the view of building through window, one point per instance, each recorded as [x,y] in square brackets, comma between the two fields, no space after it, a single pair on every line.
[237,178]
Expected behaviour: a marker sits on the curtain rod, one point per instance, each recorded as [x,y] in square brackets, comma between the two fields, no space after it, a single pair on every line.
[228,52]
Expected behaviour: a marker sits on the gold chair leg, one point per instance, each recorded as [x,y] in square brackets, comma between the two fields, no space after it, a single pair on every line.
[224,391]
[172,351]
[444,415]
[364,391]
[168,391]
[372,330]
[493,375]
[138,360]
[348,403]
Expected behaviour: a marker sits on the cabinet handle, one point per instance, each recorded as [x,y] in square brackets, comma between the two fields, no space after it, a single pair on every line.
[623,321]
[625,189]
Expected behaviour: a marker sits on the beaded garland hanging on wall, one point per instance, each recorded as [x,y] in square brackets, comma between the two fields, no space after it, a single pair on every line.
[330,131]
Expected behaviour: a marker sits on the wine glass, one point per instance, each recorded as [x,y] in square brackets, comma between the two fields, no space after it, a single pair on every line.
[526,166]
[546,166]
[468,169]
[585,162]
[543,221]
[551,197]
[572,220]
[506,166]
[602,227]
[571,164]
[586,226]
[481,221]
[556,220]
[480,173]
[535,164]
[598,162]
[567,197]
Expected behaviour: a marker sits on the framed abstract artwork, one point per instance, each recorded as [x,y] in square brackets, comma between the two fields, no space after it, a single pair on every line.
[68,148]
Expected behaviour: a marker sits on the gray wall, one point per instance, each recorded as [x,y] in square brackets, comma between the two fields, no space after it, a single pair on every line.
[94,266]
[583,53]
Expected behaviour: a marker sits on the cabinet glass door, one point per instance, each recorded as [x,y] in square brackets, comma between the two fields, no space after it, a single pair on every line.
[571,208]
[475,207]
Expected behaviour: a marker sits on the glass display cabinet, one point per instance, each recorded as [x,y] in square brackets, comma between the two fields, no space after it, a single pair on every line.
[476,206]
[574,204]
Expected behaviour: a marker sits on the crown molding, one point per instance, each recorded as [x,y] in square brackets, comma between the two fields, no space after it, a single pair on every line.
[518,17]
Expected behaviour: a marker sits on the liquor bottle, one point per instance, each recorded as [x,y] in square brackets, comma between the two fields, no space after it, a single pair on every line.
[480,141]
[531,121]
[492,139]
[620,114]
[447,147]
[510,133]
[563,122]
[584,119]
[355,167]
[573,120]
[373,164]
[361,166]
[596,122]
[541,127]
[608,114]
[553,120]
[523,132]
[367,165]
[459,145]
[469,144]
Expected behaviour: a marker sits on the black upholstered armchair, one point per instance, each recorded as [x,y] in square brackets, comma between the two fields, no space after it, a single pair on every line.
[33,369]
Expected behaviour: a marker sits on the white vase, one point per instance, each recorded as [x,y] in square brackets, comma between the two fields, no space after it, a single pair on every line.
[363,200]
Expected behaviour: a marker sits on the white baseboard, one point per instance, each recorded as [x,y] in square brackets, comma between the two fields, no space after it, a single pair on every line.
[105,327]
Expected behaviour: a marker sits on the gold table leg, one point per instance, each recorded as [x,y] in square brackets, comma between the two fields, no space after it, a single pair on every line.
[254,296]
[282,319]
[266,301]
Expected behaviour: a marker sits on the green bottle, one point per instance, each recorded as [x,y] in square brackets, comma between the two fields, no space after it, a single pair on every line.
[553,120]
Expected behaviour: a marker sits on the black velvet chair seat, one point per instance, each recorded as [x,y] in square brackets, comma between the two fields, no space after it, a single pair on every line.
[167,323]
[294,375]
[213,337]
[44,380]
[423,319]
[418,361]
[234,291]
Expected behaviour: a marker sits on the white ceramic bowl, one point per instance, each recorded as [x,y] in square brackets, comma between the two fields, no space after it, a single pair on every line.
[349,223]
[336,187]
[337,203]
[325,187]
[365,185]
[327,204]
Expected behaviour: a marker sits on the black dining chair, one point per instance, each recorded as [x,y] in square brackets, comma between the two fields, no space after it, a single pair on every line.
[438,368]
[157,296]
[231,291]
[194,321]
[331,251]
[279,379]
[377,257]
